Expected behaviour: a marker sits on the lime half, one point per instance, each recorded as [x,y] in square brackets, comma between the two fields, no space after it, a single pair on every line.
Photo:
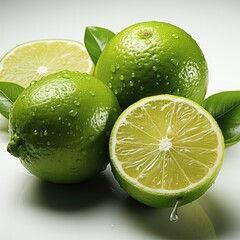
[166,149]
[34,60]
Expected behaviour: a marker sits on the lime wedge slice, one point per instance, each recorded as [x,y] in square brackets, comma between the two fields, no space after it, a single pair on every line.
[166,149]
[34,60]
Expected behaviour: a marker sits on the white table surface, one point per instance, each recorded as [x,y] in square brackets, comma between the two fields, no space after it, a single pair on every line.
[99,209]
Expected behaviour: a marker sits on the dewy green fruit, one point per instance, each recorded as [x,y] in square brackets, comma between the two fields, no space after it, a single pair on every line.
[59,126]
[151,58]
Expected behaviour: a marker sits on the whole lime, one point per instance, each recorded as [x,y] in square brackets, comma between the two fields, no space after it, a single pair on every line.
[59,126]
[152,58]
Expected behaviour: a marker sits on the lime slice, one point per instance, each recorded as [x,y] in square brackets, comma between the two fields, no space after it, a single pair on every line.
[166,149]
[34,60]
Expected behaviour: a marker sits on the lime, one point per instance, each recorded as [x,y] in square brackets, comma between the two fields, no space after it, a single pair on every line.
[166,149]
[152,58]
[60,126]
[34,60]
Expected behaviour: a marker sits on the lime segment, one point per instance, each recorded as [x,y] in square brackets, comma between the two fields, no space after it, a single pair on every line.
[34,60]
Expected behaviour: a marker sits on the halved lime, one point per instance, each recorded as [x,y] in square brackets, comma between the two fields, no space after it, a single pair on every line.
[166,149]
[34,60]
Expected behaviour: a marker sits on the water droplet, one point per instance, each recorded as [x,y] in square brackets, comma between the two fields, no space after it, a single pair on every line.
[113,69]
[109,85]
[154,68]
[117,66]
[92,93]
[72,113]
[174,62]
[141,88]
[174,215]
[66,75]
[122,78]
[133,75]
[147,41]
[69,124]
[45,133]
[83,152]
[131,83]
[111,77]
[76,102]
[175,36]
[52,109]
[33,82]
[35,132]
[176,91]
[115,91]
[33,114]
[91,138]
[48,143]
[59,118]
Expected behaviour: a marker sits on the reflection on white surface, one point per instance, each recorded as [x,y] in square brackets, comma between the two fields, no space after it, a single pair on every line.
[99,206]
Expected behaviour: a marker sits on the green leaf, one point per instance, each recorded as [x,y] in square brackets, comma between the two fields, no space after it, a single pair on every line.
[95,40]
[225,108]
[9,92]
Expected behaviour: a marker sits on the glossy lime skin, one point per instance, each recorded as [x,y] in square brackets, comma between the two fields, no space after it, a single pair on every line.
[151,58]
[59,127]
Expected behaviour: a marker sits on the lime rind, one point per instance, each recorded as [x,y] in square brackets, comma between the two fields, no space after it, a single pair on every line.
[163,197]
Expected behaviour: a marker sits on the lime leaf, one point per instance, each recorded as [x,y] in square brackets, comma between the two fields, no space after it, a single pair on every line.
[9,92]
[95,40]
[225,108]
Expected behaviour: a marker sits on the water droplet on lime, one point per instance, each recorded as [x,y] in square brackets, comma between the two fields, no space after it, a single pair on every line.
[35,132]
[113,69]
[83,152]
[72,113]
[33,82]
[154,68]
[133,75]
[131,83]
[175,36]
[92,93]
[76,102]
[91,137]
[147,41]
[45,133]
[66,75]
[174,62]
[122,78]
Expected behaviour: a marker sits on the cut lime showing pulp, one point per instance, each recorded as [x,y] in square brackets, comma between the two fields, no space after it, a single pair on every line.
[166,148]
[34,60]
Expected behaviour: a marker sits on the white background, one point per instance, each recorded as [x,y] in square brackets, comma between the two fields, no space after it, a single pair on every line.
[99,209]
